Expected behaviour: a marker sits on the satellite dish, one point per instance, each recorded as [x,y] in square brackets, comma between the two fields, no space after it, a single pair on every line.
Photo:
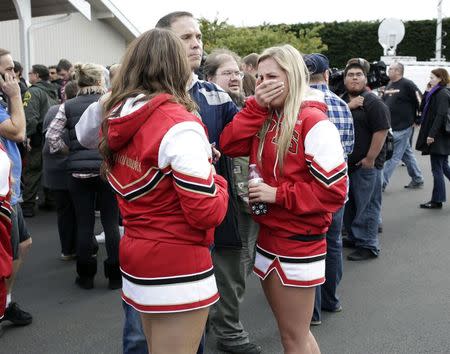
[390,34]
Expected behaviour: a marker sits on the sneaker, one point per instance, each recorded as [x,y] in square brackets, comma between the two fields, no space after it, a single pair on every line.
[68,257]
[361,254]
[316,322]
[100,237]
[16,315]
[414,185]
[246,348]
[337,309]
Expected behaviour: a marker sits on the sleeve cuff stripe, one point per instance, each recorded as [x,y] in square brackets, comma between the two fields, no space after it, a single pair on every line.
[196,188]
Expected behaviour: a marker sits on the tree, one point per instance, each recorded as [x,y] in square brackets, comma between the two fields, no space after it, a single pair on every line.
[245,40]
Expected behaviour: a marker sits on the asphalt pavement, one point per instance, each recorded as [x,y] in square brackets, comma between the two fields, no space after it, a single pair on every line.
[397,303]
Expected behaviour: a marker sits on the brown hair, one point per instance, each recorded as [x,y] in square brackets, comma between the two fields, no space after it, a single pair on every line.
[442,74]
[167,20]
[248,84]
[154,63]
[216,58]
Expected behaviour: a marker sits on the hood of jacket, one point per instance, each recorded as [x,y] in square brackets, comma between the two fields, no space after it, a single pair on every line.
[315,98]
[133,115]
[48,87]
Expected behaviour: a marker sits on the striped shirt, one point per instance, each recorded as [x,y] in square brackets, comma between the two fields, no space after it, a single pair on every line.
[340,115]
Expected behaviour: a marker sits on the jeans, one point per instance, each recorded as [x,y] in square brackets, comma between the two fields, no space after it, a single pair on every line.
[326,297]
[439,168]
[362,211]
[134,341]
[402,152]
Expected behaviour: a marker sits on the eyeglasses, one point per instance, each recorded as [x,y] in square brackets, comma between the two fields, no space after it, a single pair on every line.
[357,75]
[229,74]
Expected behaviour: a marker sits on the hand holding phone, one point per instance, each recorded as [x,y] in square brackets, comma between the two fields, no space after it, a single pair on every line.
[9,85]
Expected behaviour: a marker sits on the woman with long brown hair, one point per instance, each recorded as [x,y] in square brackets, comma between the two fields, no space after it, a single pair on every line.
[433,140]
[158,160]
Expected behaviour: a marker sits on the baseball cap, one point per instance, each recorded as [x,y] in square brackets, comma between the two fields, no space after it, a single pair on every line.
[316,63]
[361,62]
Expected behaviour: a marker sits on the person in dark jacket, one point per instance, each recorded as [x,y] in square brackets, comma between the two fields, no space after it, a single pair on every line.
[432,139]
[55,179]
[37,100]
[85,184]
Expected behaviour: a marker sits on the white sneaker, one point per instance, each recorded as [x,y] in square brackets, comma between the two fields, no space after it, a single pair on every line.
[121,230]
[100,237]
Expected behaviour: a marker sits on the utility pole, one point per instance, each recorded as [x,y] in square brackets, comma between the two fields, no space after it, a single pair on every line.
[439,32]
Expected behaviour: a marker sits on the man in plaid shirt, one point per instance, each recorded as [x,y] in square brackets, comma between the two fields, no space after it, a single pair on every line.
[341,116]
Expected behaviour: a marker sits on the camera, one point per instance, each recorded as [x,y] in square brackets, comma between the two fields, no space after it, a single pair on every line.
[376,77]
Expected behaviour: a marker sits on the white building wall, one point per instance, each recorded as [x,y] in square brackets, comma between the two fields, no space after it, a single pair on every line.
[77,40]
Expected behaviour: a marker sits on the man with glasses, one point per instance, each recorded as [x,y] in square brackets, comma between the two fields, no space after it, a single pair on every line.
[371,120]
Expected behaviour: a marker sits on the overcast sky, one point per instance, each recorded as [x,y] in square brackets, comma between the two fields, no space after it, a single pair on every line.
[144,13]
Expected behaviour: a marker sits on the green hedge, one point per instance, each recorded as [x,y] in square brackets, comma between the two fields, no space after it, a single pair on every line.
[360,39]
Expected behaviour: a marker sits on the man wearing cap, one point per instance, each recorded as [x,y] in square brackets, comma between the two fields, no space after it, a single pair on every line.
[340,115]
[371,119]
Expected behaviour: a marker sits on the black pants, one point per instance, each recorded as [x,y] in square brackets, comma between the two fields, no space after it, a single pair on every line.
[67,221]
[84,192]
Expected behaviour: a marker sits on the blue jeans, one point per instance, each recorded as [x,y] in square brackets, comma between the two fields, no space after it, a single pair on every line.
[134,341]
[403,152]
[362,211]
[439,168]
[326,297]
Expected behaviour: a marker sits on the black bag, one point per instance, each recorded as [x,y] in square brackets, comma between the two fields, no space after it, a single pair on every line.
[389,145]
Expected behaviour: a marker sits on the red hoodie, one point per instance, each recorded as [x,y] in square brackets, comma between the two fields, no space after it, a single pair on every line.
[314,179]
[162,175]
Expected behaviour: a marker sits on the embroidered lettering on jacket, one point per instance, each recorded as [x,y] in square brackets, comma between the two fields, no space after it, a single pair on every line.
[129,162]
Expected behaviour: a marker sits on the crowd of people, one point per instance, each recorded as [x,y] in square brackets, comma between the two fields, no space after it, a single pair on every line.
[161,144]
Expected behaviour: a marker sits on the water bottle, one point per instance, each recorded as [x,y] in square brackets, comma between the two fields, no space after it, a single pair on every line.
[254,178]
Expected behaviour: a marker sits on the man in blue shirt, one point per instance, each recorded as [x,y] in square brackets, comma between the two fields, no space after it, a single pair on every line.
[12,131]
[341,116]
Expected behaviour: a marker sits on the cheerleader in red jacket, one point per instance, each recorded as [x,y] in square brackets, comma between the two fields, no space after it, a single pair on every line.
[158,160]
[5,227]
[286,132]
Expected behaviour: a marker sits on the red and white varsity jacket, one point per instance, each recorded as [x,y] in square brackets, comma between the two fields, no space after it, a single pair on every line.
[314,179]
[162,174]
[5,226]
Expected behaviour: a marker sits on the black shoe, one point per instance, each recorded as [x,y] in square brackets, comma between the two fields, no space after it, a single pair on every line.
[347,243]
[336,309]
[16,315]
[431,205]
[27,212]
[85,282]
[361,254]
[246,348]
[414,185]
[47,206]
